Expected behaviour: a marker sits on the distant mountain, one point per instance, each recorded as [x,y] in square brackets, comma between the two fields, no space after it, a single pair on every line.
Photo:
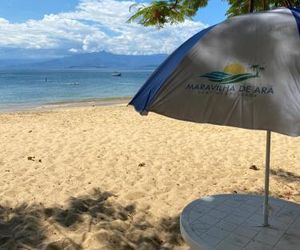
[102,60]
[14,63]
[18,57]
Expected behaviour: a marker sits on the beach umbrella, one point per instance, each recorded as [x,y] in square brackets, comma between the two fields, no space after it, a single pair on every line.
[243,72]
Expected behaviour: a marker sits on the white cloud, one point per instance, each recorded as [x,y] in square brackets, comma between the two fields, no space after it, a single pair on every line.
[72,50]
[95,25]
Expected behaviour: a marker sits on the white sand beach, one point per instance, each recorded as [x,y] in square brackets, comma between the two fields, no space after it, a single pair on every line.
[107,178]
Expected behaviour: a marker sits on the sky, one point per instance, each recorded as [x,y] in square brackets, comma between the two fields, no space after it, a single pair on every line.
[56,28]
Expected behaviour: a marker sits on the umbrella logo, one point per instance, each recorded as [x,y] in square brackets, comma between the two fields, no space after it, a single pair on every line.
[233,73]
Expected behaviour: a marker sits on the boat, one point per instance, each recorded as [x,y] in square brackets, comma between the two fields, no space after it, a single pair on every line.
[116,74]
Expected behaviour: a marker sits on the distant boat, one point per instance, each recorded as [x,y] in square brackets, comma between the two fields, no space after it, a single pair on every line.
[116,74]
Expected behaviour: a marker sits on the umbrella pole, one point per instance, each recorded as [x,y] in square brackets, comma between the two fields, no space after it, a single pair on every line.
[267,174]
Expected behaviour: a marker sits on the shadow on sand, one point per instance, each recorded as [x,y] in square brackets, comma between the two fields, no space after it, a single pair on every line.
[92,217]
[20,227]
[284,175]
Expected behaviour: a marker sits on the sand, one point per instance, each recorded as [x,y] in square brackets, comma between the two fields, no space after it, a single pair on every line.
[108,178]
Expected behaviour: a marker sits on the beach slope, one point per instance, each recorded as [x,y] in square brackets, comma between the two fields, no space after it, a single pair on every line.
[108,178]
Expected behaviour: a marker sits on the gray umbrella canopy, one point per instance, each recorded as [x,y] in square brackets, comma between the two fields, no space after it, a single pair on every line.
[243,72]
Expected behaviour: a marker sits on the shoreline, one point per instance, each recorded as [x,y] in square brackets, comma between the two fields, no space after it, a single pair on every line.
[91,102]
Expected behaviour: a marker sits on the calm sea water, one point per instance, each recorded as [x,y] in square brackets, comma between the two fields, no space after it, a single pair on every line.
[28,88]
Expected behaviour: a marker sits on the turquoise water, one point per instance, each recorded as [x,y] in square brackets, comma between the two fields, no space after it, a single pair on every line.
[35,88]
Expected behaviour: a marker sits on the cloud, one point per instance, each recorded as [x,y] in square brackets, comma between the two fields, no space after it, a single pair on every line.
[93,26]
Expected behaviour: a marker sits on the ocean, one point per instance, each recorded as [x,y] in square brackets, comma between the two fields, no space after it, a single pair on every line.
[23,89]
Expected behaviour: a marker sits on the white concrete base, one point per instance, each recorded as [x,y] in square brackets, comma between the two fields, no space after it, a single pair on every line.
[234,222]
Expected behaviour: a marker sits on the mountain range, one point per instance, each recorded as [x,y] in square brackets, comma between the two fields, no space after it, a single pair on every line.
[100,60]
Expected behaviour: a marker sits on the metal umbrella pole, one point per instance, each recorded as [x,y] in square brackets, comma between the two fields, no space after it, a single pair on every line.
[267,175]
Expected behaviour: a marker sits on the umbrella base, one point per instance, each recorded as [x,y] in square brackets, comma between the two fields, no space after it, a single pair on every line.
[232,221]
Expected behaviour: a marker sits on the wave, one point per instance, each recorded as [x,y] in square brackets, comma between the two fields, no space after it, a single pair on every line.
[71,83]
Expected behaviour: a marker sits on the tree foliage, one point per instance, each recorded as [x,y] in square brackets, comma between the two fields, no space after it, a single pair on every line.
[159,12]
[238,7]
